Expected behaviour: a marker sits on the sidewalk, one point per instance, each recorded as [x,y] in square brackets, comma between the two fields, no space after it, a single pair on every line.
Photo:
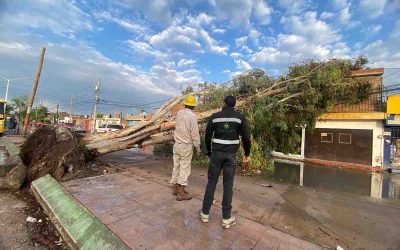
[144,214]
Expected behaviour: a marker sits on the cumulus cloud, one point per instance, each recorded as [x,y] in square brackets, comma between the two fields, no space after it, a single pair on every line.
[143,48]
[326,15]
[384,53]
[373,8]
[306,37]
[241,41]
[239,12]
[310,27]
[262,12]
[242,65]
[218,31]
[201,20]
[186,62]
[187,38]
[371,30]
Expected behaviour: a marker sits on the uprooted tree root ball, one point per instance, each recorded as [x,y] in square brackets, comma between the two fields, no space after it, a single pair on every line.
[54,151]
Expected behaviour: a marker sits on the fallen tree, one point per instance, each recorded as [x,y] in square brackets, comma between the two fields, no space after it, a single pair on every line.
[299,97]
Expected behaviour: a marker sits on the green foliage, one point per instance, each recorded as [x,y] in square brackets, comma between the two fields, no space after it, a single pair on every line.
[277,125]
[39,114]
[20,105]
[163,149]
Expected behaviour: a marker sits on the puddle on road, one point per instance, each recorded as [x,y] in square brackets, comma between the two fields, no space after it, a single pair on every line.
[376,185]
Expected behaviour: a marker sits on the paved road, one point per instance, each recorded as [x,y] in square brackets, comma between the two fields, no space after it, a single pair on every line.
[318,215]
[143,213]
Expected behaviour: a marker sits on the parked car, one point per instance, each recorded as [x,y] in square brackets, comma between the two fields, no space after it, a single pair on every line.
[108,128]
[79,129]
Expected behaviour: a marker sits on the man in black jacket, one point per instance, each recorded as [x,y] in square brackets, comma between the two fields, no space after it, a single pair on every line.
[222,142]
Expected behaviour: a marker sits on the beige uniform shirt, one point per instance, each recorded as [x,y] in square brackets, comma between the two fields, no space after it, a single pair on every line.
[187,128]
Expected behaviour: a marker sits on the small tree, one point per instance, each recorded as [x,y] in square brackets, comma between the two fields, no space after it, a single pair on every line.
[20,104]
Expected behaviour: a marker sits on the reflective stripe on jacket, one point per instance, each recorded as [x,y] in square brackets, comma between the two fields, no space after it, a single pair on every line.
[224,130]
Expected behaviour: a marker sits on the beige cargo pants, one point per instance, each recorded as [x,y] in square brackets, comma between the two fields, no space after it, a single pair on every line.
[182,163]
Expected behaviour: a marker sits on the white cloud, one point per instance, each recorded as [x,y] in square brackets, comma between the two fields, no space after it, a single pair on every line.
[372,30]
[218,31]
[384,53]
[241,41]
[344,15]
[313,29]
[201,20]
[306,37]
[65,71]
[133,27]
[246,50]
[187,38]
[227,71]
[235,55]
[8,46]
[294,6]
[326,15]
[340,4]
[143,48]
[262,12]
[269,55]
[373,8]
[186,62]
[60,17]
[254,36]
[242,65]
[237,12]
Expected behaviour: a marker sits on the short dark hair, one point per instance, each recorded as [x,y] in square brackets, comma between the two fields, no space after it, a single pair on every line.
[189,107]
[230,101]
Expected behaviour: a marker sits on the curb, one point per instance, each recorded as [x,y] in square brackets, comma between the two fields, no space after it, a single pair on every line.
[12,149]
[13,174]
[78,227]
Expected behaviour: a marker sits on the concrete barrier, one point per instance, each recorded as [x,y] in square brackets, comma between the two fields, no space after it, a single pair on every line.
[79,228]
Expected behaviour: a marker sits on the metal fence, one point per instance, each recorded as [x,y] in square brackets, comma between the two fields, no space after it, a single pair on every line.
[374,104]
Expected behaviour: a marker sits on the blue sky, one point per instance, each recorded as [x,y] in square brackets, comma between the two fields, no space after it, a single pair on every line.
[145,51]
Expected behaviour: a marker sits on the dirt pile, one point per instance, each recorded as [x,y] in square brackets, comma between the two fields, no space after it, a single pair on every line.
[54,151]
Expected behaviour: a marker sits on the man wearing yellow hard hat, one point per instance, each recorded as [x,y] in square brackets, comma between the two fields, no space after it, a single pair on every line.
[186,136]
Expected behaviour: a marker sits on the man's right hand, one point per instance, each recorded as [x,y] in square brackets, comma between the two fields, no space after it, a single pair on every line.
[246,159]
[208,154]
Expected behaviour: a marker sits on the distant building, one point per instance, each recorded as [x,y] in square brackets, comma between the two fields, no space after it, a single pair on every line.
[133,119]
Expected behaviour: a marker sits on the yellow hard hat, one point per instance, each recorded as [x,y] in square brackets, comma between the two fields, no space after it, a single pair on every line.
[190,101]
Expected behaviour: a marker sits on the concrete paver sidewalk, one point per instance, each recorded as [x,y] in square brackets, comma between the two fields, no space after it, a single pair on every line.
[145,215]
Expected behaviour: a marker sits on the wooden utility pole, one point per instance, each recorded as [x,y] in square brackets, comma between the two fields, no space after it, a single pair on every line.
[34,88]
[97,90]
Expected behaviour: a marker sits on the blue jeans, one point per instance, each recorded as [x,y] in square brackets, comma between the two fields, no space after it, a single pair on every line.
[227,162]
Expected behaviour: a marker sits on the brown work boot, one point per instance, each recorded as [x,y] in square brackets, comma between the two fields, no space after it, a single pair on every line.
[175,189]
[183,194]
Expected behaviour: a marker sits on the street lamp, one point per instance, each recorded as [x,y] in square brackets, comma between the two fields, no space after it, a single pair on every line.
[8,85]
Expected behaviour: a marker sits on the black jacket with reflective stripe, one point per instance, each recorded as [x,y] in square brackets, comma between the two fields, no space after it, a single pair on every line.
[223,131]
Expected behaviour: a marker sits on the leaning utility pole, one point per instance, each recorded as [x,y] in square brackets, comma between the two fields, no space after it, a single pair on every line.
[34,88]
[97,90]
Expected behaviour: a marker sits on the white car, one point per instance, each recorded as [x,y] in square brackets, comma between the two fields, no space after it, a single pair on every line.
[108,128]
